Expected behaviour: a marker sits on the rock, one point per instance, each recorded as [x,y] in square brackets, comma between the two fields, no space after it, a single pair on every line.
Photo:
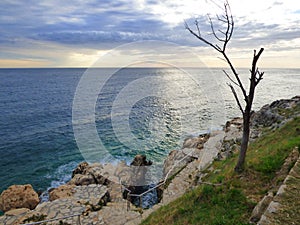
[211,149]
[273,207]
[232,138]
[281,190]
[191,150]
[139,170]
[101,173]
[63,191]
[233,129]
[94,195]
[266,117]
[18,196]
[195,142]
[96,173]
[17,212]
[175,161]
[134,177]
[80,169]
[261,207]
[140,160]
[29,217]
[108,174]
[276,113]
[228,148]
[80,179]
[86,174]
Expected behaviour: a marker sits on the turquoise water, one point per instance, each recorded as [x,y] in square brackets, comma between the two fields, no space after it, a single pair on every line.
[37,140]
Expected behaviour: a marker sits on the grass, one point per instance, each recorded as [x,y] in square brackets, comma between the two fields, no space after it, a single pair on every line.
[289,112]
[206,205]
[233,201]
[267,154]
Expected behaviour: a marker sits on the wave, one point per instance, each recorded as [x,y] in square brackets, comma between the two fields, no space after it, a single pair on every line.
[61,176]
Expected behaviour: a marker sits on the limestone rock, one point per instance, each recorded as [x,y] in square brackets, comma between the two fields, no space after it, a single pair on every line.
[191,150]
[17,212]
[233,129]
[140,160]
[266,117]
[96,173]
[80,169]
[195,142]
[63,191]
[82,179]
[175,161]
[18,196]
[29,217]
[123,172]
[86,174]
[276,113]
[261,207]
[273,207]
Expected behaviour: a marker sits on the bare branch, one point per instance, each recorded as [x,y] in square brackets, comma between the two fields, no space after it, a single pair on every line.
[197,25]
[213,30]
[227,19]
[236,75]
[236,97]
[186,24]
[218,47]
[256,57]
[222,32]
[202,39]
[259,78]
[253,79]
[222,20]
[230,78]
[221,58]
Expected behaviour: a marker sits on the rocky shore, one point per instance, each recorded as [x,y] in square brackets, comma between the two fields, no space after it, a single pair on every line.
[100,193]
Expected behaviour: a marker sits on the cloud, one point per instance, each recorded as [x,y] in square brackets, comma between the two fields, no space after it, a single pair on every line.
[96,25]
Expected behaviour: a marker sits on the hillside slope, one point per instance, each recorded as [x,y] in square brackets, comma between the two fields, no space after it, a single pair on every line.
[225,197]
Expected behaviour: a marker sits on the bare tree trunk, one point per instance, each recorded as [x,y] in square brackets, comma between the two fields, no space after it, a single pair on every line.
[255,78]
[244,145]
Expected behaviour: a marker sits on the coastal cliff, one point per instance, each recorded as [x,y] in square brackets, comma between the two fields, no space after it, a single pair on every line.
[95,195]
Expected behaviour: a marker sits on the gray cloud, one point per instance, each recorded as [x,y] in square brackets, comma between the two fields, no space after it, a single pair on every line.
[251,34]
[106,24]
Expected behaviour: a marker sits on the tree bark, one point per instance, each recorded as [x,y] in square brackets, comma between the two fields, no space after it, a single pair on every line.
[244,145]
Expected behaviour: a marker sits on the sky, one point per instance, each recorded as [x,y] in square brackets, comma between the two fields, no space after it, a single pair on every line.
[80,33]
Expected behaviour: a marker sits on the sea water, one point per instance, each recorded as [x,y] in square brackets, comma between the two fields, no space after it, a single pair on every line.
[137,111]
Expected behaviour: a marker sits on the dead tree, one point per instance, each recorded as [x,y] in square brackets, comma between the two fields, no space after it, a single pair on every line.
[221,38]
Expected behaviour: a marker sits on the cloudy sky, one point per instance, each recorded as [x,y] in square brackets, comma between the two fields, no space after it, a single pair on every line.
[77,33]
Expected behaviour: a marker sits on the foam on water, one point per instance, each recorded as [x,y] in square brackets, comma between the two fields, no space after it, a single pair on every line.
[61,176]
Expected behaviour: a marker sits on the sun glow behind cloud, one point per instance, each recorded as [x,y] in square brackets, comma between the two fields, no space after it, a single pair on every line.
[70,34]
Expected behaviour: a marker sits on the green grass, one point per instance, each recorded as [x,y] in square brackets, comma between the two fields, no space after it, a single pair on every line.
[233,201]
[268,154]
[206,205]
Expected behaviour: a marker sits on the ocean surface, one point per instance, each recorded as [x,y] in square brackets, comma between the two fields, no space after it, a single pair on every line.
[46,115]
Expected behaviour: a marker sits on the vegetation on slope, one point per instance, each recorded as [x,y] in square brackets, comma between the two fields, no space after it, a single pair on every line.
[231,197]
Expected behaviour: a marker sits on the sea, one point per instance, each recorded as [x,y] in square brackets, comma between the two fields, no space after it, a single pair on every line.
[53,119]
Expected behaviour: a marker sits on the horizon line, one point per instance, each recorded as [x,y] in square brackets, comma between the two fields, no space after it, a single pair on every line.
[145,67]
